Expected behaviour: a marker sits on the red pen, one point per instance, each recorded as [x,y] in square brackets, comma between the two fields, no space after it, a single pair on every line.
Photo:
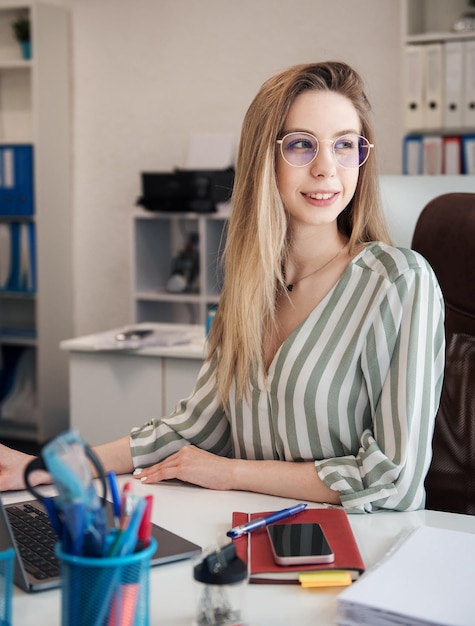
[145,528]
[127,505]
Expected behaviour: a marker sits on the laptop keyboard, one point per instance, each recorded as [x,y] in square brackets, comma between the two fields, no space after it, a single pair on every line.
[36,540]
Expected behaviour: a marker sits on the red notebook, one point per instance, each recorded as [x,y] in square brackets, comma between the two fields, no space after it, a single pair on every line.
[254,548]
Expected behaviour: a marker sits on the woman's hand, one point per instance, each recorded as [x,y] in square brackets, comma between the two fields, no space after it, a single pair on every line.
[12,467]
[192,465]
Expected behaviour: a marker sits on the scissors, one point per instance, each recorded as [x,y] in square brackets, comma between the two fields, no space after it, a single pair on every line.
[78,513]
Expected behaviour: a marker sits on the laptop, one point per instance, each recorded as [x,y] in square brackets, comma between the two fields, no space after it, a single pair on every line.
[24,525]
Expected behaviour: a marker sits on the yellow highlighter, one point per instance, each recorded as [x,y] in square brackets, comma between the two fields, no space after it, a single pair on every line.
[333,578]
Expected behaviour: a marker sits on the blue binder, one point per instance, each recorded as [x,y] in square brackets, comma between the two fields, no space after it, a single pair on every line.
[21,275]
[16,180]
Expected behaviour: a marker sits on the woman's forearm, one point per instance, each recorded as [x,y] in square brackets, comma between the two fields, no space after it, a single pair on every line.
[282,478]
[116,456]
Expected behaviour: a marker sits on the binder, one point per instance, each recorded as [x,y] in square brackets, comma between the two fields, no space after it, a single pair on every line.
[6,181]
[412,155]
[468,117]
[16,180]
[468,154]
[27,258]
[18,257]
[433,154]
[5,256]
[452,155]
[24,180]
[414,87]
[433,85]
[453,84]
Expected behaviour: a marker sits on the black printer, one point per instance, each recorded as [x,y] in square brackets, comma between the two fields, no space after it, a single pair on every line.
[197,191]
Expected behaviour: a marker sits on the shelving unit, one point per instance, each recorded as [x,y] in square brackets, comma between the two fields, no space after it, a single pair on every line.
[439,88]
[35,112]
[157,238]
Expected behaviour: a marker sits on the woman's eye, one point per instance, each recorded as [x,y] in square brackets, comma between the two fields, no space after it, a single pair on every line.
[345,144]
[301,144]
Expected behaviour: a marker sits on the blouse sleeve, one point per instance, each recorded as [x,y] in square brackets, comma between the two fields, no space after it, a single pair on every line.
[402,363]
[199,420]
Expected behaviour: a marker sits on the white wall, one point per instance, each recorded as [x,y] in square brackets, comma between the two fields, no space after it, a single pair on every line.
[148,73]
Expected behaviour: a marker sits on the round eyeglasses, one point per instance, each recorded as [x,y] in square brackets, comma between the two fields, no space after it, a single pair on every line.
[300,149]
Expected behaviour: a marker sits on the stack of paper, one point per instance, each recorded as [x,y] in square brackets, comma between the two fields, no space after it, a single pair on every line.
[427,580]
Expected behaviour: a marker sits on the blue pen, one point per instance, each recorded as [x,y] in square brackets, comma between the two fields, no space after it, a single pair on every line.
[115,495]
[260,522]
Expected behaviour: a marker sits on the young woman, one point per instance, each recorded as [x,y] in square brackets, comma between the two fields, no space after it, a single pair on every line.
[326,356]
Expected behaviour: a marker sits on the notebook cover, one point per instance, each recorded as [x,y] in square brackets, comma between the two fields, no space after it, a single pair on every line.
[255,546]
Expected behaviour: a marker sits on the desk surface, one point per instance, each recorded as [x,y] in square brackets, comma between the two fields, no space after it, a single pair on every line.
[204,516]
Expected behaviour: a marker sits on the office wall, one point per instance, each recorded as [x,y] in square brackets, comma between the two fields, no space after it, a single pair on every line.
[148,73]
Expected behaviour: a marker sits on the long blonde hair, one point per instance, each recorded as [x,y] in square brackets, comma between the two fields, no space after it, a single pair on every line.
[257,237]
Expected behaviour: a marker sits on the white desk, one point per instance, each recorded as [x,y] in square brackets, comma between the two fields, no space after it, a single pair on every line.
[113,391]
[203,516]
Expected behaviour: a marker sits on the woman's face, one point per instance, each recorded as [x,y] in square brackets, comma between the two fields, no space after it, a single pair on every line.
[317,193]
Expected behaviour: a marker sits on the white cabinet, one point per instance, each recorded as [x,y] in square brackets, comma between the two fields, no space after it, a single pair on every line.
[114,390]
[157,239]
[35,246]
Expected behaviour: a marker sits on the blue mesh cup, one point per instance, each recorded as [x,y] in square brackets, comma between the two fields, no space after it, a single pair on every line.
[109,591]
[6,586]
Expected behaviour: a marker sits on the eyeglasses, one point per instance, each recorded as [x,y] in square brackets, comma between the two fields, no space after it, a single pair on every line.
[300,149]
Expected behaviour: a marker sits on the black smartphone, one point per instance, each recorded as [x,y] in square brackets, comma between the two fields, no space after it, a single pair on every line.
[299,544]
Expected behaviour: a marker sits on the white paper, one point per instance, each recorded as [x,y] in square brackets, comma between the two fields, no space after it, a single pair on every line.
[428,579]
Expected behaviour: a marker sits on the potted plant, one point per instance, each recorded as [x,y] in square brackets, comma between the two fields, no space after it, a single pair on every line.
[22,31]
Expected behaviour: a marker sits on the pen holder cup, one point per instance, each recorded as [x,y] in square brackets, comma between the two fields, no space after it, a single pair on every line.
[6,586]
[109,591]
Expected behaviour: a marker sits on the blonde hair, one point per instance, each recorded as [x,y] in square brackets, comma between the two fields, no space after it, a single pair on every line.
[257,237]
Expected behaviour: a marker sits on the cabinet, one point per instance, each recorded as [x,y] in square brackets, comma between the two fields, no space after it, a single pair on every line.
[114,390]
[35,247]
[439,88]
[157,239]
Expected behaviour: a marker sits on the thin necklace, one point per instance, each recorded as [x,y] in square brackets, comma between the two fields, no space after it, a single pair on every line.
[290,286]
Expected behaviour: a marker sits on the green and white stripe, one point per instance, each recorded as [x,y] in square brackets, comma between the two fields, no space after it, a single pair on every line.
[355,388]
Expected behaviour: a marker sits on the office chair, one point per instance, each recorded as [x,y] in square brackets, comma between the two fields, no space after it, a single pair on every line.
[445,236]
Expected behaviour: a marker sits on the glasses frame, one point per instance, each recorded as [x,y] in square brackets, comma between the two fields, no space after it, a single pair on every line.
[318,142]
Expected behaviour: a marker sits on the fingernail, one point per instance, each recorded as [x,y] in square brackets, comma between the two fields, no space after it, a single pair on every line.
[137,471]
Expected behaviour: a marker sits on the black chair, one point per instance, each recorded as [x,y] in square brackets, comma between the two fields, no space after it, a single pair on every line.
[445,236]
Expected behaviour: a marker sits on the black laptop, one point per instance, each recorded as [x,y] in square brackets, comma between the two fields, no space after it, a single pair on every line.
[25,527]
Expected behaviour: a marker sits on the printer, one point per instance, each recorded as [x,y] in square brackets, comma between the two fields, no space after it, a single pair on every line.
[197,191]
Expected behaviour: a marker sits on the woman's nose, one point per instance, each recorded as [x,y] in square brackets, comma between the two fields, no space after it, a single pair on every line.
[324,163]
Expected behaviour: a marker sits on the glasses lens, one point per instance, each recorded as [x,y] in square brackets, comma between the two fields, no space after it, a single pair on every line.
[299,149]
[351,150]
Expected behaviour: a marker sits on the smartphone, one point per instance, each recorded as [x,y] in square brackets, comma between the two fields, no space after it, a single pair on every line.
[299,544]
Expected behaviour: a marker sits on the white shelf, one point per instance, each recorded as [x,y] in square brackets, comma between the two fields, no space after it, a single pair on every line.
[432,105]
[156,239]
[35,109]
[440,37]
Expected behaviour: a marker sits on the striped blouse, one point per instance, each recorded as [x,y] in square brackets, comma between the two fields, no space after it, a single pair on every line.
[355,389]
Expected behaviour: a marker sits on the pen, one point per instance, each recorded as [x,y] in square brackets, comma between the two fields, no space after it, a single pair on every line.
[115,495]
[127,505]
[237,531]
[145,528]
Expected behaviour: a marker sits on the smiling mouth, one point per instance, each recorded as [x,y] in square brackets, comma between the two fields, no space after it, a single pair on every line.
[320,196]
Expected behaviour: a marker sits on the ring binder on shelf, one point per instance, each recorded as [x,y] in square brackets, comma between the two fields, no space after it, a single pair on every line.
[16,180]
